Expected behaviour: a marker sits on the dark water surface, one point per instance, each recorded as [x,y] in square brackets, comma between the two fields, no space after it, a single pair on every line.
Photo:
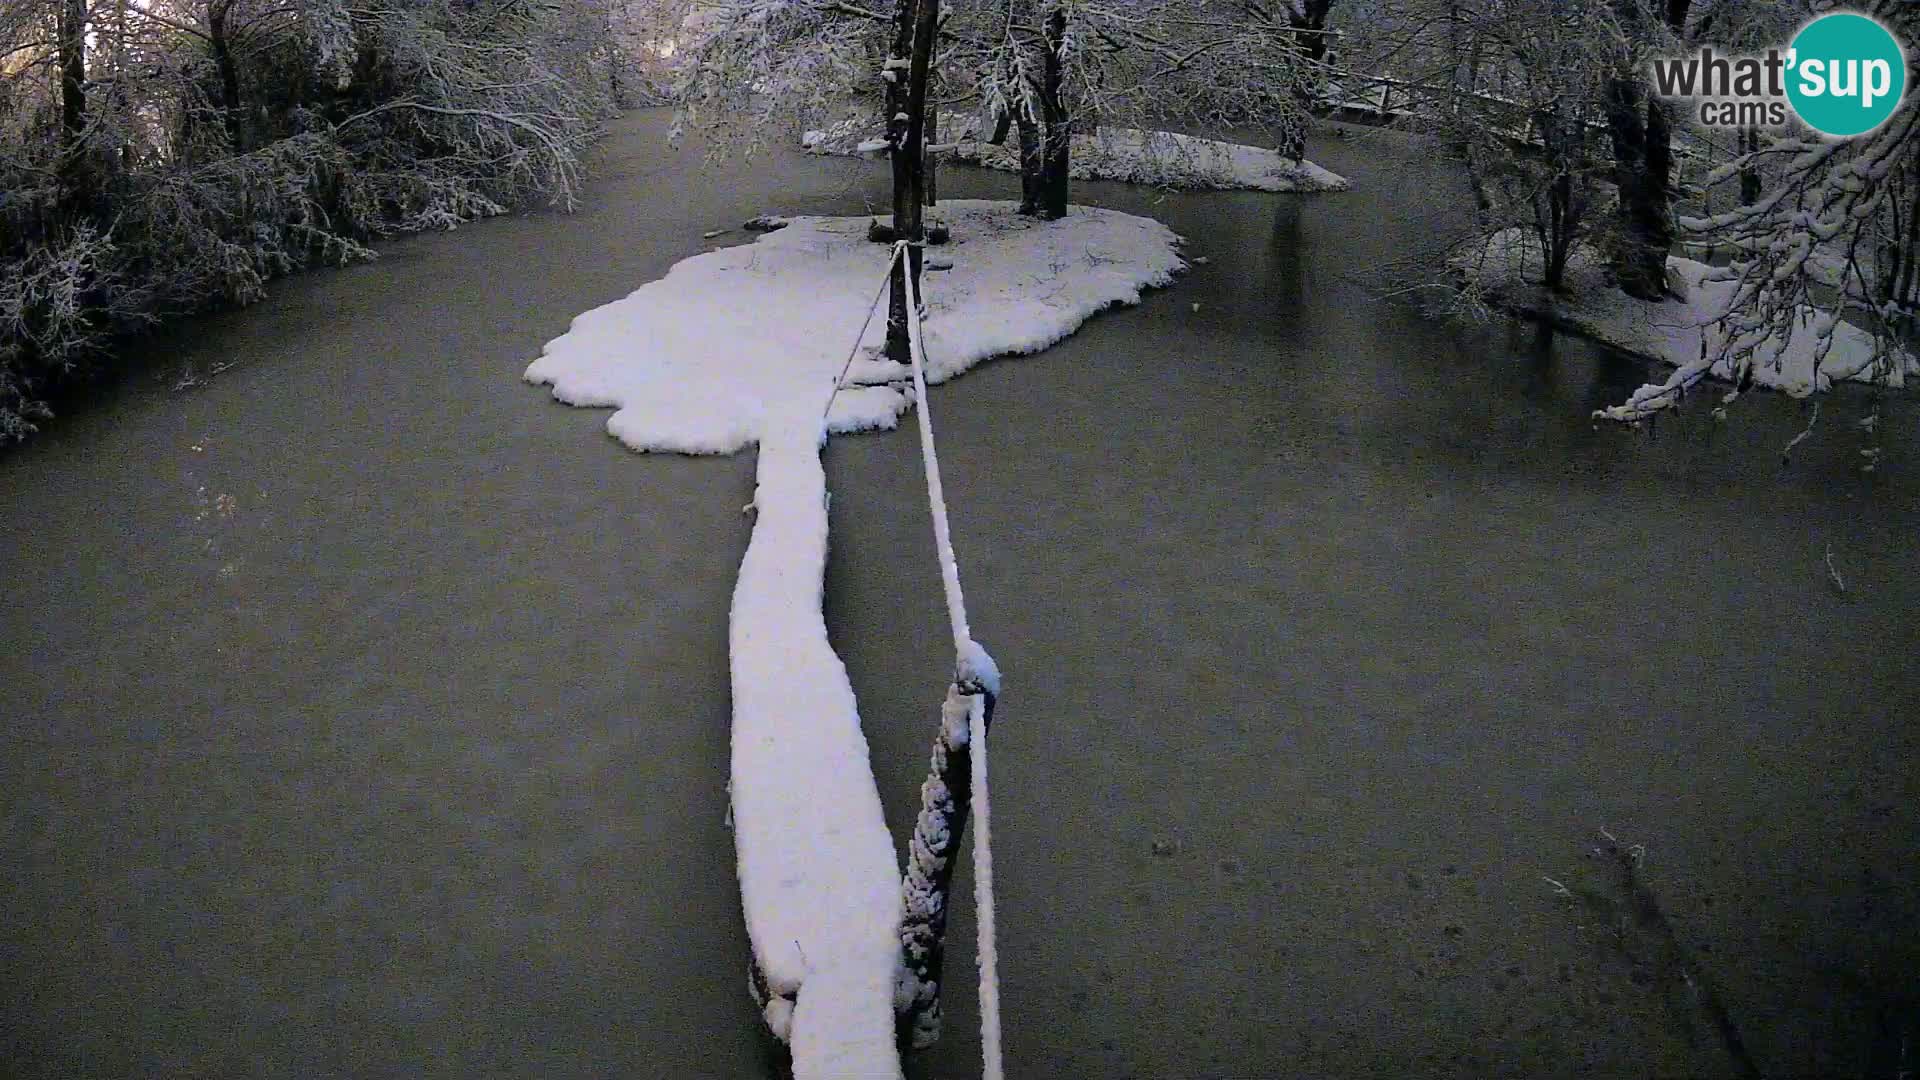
[364,713]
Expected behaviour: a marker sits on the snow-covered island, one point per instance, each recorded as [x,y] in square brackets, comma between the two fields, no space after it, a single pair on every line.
[745,346]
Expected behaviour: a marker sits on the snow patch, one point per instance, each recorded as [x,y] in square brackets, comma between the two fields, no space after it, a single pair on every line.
[746,345]
[1509,267]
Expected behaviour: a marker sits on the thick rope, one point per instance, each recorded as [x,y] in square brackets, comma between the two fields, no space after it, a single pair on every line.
[992,1067]
[945,797]
[936,496]
[969,660]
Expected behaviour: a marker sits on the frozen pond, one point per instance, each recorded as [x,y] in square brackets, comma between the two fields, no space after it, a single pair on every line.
[364,713]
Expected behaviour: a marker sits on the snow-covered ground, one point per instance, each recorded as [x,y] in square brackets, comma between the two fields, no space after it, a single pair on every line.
[1130,155]
[1827,265]
[1509,267]
[745,345]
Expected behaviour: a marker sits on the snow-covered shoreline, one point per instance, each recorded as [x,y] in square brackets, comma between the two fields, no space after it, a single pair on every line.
[745,345]
[1507,270]
[1127,155]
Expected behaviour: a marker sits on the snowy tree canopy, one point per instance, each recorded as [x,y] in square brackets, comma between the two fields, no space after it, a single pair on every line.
[755,68]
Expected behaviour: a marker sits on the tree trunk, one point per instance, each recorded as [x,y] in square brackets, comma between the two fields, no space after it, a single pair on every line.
[1900,288]
[1002,122]
[1749,176]
[1643,169]
[1020,114]
[895,97]
[1057,122]
[614,91]
[906,124]
[1556,215]
[230,108]
[119,71]
[1033,159]
[1458,133]
[1642,135]
[1309,24]
[1890,257]
[1563,225]
[72,46]
[1294,146]
[929,163]
[1556,208]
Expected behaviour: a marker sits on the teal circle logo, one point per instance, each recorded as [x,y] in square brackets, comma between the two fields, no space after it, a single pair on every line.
[1846,74]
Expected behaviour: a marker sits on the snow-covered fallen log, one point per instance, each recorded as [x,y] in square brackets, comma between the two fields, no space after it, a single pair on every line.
[745,346]
[1507,269]
[817,875]
[1129,155]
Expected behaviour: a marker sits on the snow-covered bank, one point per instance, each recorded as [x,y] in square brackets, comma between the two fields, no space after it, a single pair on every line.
[745,345]
[1509,267]
[1129,155]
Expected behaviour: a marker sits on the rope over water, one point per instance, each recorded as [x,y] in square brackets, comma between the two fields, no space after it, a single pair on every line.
[975,674]
[966,719]
[872,304]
